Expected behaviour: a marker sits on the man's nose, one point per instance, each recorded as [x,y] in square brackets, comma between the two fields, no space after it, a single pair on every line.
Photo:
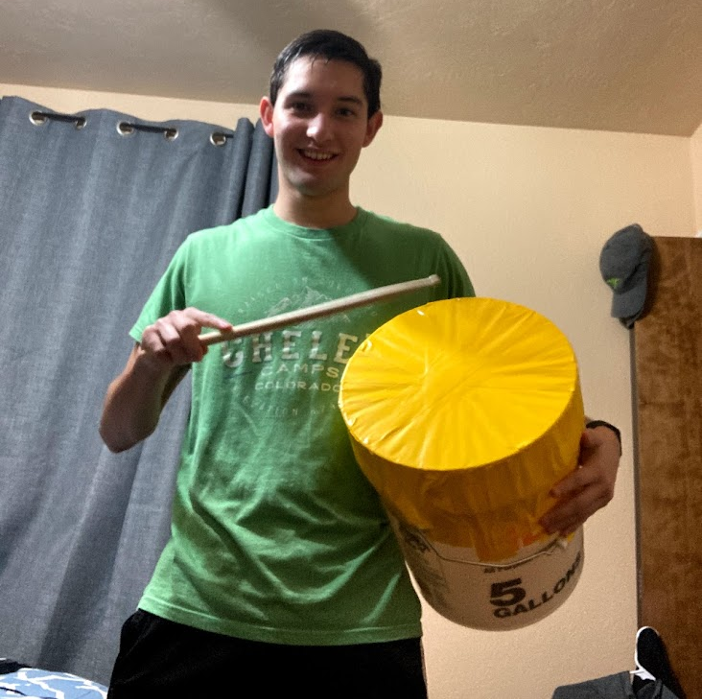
[319,127]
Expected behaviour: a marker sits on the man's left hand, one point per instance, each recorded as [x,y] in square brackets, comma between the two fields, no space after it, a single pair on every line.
[590,487]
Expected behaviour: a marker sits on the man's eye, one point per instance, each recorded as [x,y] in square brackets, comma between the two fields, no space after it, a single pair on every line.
[346,112]
[300,107]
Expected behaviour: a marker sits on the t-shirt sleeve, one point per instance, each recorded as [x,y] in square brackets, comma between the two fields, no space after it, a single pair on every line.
[453,274]
[169,294]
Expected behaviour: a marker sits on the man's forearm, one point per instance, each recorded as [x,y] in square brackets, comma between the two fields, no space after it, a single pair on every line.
[134,401]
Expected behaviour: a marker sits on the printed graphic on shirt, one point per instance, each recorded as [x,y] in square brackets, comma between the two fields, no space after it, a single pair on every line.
[303,359]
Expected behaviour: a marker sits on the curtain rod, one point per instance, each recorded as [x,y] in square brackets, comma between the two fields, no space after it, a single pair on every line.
[124,128]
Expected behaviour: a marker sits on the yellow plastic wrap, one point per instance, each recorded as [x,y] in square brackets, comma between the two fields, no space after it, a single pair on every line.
[463,414]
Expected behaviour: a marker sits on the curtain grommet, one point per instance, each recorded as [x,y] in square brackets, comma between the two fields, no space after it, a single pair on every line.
[38,118]
[125,129]
[219,139]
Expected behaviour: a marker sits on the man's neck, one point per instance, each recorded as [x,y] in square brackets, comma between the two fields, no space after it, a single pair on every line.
[315,212]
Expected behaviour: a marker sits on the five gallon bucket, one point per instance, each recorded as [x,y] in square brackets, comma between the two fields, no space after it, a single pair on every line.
[463,414]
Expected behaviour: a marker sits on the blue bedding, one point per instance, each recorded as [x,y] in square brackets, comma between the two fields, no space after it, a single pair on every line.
[42,684]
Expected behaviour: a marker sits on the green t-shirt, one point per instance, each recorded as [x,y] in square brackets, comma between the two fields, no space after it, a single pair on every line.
[276,535]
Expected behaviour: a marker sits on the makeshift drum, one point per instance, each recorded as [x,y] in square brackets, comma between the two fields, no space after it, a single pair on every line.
[463,414]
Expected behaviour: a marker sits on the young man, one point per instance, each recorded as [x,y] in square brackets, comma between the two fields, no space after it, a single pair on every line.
[281,563]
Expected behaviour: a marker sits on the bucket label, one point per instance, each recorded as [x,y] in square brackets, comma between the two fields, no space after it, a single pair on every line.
[510,597]
[425,564]
[491,596]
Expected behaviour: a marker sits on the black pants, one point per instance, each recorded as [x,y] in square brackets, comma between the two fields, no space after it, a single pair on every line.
[160,658]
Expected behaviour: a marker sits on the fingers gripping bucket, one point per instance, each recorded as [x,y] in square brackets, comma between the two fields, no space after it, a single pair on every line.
[463,414]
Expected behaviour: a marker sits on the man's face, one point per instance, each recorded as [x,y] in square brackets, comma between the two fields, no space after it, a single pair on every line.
[319,124]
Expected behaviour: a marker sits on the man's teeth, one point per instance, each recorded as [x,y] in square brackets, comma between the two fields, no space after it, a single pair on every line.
[317,156]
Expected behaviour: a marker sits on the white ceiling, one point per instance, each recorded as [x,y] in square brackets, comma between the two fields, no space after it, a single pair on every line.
[618,65]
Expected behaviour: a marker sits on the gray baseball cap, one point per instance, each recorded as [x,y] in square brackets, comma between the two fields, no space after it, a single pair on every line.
[624,263]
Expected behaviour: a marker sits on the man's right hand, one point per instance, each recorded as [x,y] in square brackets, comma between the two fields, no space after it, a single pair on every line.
[172,341]
[156,365]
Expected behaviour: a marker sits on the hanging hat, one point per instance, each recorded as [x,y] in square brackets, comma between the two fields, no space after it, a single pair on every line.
[624,263]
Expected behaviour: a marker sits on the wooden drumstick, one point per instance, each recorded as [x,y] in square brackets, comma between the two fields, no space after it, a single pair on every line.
[327,308]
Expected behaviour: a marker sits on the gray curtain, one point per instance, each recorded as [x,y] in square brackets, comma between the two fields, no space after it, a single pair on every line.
[92,208]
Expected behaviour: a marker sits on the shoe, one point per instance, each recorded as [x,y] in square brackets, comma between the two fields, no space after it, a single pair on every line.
[652,662]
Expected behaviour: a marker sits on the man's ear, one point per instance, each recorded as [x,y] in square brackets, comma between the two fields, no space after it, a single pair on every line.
[266,111]
[374,124]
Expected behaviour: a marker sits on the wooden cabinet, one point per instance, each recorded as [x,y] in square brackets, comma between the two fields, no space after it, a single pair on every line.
[667,360]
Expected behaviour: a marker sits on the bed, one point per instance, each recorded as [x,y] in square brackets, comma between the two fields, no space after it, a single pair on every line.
[18,681]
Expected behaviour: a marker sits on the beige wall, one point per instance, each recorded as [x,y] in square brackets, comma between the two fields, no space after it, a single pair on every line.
[696,155]
[143,107]
[528,211]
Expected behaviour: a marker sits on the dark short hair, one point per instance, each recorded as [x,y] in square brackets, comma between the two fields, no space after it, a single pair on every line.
[331,46]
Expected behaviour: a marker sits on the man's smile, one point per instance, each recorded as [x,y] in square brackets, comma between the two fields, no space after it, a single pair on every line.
[317,155]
